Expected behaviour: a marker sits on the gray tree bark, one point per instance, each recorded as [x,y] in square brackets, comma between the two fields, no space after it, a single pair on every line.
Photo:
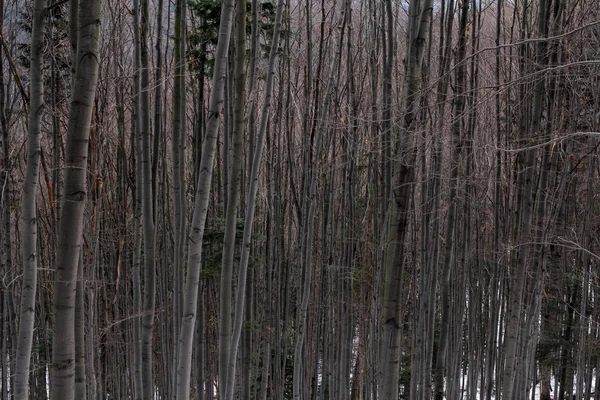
[494,304]
[178,167]
[30,256]
[138,211]
[149,293]
[419,20]
[310,203]
[227,355]
[523,222]
[441,96]
[74,200]
[186,335]
[92,290]
[30,225]
[6,238]
[80,382]
[457,125]
[253,189]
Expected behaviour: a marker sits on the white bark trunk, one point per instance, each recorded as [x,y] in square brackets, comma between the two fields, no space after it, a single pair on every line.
[74,200]
[29,283]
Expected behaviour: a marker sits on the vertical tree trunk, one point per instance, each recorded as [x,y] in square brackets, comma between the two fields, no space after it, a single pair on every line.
[73,203]
[423,336]
[252,191]
[372,356]
[494,307]
[149,294]
[186,335]
[178,167]
[349,241]
[311,204]
[159,204]
[80,365]
[93,291]
[386,98]
[5,232]
[158,119]
[137,209]
[7,236]
[30,225]
[446,31]
[246,339]
[4,369]
[80,381]
[226,351]
[524,219]
[457,125]
[419,20]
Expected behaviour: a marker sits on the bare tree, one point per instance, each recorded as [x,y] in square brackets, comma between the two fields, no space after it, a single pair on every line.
[419,19]
[240,301]
[226,361]
[75,193]
[202,197]
[30,223]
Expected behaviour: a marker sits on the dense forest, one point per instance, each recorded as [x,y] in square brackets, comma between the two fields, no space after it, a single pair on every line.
[300,199]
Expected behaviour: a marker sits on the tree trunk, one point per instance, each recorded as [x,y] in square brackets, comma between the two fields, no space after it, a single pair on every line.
[524,219]
[227,354]
[80,381]
[5,231]
[178,167]
[253,188]
[93,292]
[420,18]
[457,124]
[73,203]
[149,293]
[311,204]
[186,335]
[30,225]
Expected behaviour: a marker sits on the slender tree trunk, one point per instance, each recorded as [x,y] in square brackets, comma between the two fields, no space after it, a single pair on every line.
[93,293]
[73,203]
[7,235]
[138,208]
[494,307]
[253,189]
[227,354]
[386,97]
[457,124]
[311,205]
[159,203]
[524,219]
[246,339]
[372,356]
[4,370]
[436,166]
[419,20]
[149,293]
[80,381]
[178,167]
[5,232]
[186,335]
[158,119]
[30,225]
